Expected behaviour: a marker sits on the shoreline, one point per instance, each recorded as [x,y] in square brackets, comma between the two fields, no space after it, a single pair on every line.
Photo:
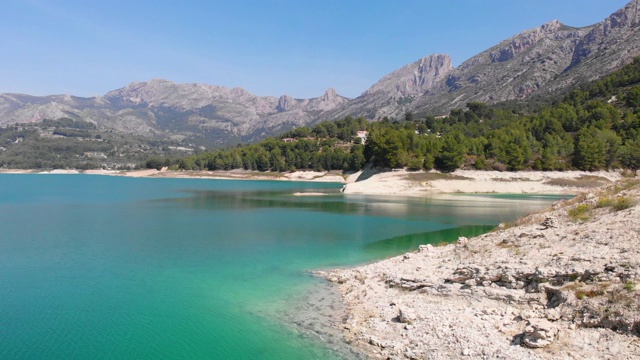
[397,182]
[553,285]
[196,174]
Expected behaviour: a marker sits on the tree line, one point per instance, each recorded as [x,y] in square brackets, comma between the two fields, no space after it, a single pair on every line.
[592,128]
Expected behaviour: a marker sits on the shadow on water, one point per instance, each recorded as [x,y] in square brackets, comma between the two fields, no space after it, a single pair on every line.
[409,242]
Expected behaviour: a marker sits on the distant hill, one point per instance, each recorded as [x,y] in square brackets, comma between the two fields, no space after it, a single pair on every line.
[204,114]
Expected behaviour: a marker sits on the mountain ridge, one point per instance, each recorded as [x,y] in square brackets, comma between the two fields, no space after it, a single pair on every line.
[155,106]
[543,59]
[540,60]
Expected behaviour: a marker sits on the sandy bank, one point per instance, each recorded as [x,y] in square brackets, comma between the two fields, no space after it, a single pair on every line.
[564,283]
[399,182]
[315,176]
[402,182]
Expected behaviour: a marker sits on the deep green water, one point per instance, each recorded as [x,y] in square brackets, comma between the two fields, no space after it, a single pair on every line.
[98,267]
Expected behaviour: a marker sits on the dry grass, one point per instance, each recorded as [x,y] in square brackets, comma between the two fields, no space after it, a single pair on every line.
[513,179]
[604,202]
[583,291]
[627,184]
[431,176]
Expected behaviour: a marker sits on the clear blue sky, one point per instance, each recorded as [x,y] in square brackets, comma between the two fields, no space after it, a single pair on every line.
[269,47]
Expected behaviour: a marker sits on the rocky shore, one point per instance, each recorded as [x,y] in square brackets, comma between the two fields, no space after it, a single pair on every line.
[563,283]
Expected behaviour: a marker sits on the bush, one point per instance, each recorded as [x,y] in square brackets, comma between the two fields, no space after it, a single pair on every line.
[414,164]
[579,213]
[622,203]
[604,202]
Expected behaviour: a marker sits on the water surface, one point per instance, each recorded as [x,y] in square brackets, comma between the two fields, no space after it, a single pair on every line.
[98,267]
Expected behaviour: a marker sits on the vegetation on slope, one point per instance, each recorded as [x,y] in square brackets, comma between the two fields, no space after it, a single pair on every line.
[596,127]
[591,128]
[65,143]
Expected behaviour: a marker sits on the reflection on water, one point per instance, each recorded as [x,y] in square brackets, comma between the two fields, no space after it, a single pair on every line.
[447,208]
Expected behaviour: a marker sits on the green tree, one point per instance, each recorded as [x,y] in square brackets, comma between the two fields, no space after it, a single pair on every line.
[630,154]
[451,154]
[590,150]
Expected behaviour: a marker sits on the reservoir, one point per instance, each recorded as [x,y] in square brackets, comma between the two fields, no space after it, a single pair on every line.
[105,267]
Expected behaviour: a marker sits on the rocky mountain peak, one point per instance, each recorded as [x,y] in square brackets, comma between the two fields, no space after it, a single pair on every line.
[551,27]
[610,36]
[330,95]
[510,48]
[414,79]
[285,103]
[627,17]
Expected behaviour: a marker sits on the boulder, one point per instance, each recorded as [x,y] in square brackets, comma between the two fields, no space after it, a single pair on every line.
[406,315]
[539,333]
[462,240]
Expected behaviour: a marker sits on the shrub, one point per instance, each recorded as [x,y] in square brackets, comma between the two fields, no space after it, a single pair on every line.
[480,163]
[604,202]
[498,166]
[579,213]
[629,286]
[414,164]
[622,203]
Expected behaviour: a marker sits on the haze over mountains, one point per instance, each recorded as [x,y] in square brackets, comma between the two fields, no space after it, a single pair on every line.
[540,60]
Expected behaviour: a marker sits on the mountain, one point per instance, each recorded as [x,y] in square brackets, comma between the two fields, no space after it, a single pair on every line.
[159,108]
[403,86]
[542,60]
[545,59]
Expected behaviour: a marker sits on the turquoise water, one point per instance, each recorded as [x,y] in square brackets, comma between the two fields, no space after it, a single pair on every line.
[97,267]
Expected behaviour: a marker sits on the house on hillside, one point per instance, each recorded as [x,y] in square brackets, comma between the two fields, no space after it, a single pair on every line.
[362,135]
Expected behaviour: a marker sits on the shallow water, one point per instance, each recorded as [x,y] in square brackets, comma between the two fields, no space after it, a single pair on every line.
[98,267]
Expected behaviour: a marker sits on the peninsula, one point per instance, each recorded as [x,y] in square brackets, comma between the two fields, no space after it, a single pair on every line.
[561,283]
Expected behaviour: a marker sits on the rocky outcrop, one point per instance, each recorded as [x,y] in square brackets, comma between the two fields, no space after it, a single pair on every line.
[524,41]
[414,79]
[285,103]
[550,285]
[539,333]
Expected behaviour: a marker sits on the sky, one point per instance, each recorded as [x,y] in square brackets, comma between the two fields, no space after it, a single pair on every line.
[269,47]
